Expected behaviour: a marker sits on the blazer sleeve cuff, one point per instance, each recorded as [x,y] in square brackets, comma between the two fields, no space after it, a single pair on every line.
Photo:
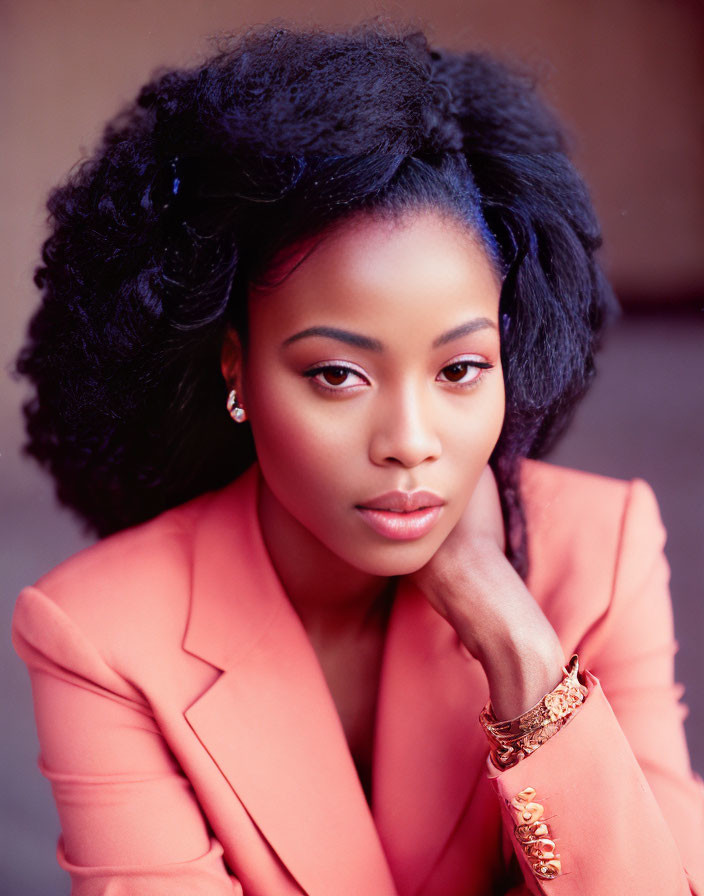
[198,877]
[588,789]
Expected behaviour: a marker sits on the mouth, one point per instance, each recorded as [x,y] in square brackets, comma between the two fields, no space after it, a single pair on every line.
[403,502]
[402,516]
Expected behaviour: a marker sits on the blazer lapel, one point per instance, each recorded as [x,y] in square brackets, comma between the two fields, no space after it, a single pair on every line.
[430,749]
[269,721]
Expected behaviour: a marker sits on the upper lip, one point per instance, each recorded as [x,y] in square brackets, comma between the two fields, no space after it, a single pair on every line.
[403,502]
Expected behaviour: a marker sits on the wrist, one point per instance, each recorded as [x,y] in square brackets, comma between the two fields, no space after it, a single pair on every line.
[519,677]
[515,738]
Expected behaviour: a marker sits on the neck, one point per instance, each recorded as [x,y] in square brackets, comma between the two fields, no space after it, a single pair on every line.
[331,597]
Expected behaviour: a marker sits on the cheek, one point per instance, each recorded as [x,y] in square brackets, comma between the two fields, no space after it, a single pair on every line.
[497,415]
[477,431]
[296,437]
[496,411]
[299,439]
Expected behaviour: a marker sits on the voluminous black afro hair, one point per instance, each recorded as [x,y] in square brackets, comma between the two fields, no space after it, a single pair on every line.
[212,172]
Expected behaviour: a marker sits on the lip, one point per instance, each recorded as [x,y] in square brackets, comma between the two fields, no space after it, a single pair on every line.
[402,516]
[400,525]
[403,502]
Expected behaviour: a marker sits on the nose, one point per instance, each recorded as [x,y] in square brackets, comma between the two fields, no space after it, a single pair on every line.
[405,431]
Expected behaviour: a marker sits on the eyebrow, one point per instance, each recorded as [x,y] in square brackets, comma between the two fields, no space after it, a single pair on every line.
[358,340]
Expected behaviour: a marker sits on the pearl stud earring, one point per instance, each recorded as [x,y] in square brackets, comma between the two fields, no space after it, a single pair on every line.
[238,414]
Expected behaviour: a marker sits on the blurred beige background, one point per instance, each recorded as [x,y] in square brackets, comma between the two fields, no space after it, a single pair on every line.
[626,76]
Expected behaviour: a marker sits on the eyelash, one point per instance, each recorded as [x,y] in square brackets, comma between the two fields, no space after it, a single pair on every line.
[313,372]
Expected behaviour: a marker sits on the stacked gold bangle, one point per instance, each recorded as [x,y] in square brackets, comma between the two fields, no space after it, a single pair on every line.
[514,739]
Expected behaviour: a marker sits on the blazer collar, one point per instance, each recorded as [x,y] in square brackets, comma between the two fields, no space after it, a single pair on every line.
[283,749]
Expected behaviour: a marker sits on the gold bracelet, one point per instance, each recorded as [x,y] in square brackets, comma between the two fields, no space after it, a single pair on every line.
[514,739]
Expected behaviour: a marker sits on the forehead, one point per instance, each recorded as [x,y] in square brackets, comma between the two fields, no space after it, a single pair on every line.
[378,271]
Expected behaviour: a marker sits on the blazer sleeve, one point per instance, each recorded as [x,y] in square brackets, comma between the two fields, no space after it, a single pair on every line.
[614,788]
[130,821]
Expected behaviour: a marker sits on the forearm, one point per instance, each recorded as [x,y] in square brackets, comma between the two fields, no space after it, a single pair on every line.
[500,624]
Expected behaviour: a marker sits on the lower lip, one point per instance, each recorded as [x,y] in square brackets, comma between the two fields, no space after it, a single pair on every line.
[401,526]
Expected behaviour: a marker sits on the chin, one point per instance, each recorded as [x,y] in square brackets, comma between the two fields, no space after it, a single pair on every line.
[389,562]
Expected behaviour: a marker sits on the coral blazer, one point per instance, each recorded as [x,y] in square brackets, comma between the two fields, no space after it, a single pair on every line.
[193,746]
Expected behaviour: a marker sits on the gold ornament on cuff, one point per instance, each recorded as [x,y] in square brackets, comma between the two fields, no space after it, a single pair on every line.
[514,739]
[534,837]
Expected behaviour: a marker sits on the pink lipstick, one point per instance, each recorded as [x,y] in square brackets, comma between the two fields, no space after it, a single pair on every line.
[402,516]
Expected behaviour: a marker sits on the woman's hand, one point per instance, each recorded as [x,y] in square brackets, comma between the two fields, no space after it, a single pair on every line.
[470,583]
[473,548]
[478,535]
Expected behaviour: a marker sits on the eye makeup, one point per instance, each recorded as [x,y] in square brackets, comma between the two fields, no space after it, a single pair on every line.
[342,370]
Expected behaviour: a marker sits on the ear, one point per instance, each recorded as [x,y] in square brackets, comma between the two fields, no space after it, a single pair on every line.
[231,362]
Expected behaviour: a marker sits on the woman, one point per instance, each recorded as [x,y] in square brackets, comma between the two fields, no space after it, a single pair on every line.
[307,313]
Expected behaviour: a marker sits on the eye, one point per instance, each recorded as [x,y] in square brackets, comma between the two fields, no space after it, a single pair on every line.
[464,372]
[334,377]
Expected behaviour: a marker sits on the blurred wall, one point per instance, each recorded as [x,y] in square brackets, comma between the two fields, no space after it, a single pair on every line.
[626,76]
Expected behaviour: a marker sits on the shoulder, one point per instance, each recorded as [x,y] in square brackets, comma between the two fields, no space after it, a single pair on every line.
[120,592]
[587,533]
[543,484]
[154,553]
[587,502]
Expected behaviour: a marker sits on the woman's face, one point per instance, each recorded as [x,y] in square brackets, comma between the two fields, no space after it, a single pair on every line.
[375,367]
